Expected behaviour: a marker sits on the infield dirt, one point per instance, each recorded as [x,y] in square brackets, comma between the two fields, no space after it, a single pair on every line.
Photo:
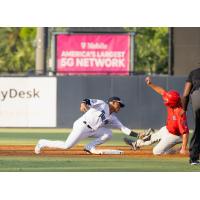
[28,150]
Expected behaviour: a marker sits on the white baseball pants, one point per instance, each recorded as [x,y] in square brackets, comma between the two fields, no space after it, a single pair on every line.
[166,141]
[80,131]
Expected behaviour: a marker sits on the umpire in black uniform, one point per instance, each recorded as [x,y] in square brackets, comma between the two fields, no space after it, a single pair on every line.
[192,89]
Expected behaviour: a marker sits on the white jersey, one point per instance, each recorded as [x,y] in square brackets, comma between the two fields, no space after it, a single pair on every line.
[99,116]
[96,123]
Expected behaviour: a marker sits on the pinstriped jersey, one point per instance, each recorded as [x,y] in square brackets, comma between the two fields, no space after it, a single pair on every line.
[99,115]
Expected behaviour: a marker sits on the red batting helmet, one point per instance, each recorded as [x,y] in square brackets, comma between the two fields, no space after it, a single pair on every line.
[171,98]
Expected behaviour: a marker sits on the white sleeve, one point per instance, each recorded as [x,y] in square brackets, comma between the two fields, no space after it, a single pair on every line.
[96,102]
[115,123]
[93,102]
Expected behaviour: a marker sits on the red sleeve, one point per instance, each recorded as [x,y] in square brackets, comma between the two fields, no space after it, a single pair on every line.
[182,122]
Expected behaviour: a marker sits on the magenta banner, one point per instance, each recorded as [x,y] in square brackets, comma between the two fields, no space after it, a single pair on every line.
[93,54]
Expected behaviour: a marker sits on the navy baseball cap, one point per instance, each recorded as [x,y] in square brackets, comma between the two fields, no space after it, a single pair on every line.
[116,99]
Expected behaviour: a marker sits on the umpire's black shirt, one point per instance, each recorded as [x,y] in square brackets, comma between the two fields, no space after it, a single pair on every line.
[194,78]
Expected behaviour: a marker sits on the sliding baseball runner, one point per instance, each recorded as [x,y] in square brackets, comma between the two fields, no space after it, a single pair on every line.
[174,132]
[96,122]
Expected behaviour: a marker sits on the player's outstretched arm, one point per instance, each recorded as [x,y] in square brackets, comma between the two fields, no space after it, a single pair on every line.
[156,88]
[184,144]
[115,123]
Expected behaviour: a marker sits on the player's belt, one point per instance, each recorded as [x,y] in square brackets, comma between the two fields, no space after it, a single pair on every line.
[87,124]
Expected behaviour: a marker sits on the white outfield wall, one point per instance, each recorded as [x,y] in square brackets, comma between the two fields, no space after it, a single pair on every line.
[28,101]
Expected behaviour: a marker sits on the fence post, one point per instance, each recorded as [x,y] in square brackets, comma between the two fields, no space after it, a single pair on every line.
[41,51]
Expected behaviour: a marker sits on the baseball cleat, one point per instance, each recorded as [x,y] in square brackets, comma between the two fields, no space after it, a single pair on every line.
[149,132]
[194,162]
[87,151]
[134,145]
[128,141]
[93,151]
[131,143]
[38,148]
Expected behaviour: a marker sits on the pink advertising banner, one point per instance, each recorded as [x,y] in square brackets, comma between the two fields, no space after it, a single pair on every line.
[93,54]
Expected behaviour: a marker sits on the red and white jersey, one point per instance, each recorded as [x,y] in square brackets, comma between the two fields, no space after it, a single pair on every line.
[99,116]
[176,120]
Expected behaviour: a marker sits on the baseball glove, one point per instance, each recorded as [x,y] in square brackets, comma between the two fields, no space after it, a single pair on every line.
[146,135]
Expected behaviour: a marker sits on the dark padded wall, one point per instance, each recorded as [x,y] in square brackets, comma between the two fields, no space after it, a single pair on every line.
[186,42]
[144,108]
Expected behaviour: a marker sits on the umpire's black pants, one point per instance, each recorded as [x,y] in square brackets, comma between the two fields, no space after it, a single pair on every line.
[194,147]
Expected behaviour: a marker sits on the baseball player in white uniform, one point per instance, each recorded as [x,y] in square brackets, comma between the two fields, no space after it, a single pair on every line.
[96,122]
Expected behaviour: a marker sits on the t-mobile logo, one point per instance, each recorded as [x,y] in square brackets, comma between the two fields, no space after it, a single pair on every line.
[22,94]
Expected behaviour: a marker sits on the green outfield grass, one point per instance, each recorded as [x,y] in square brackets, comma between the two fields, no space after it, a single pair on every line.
[100,164]
[31,136]
[78,163]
